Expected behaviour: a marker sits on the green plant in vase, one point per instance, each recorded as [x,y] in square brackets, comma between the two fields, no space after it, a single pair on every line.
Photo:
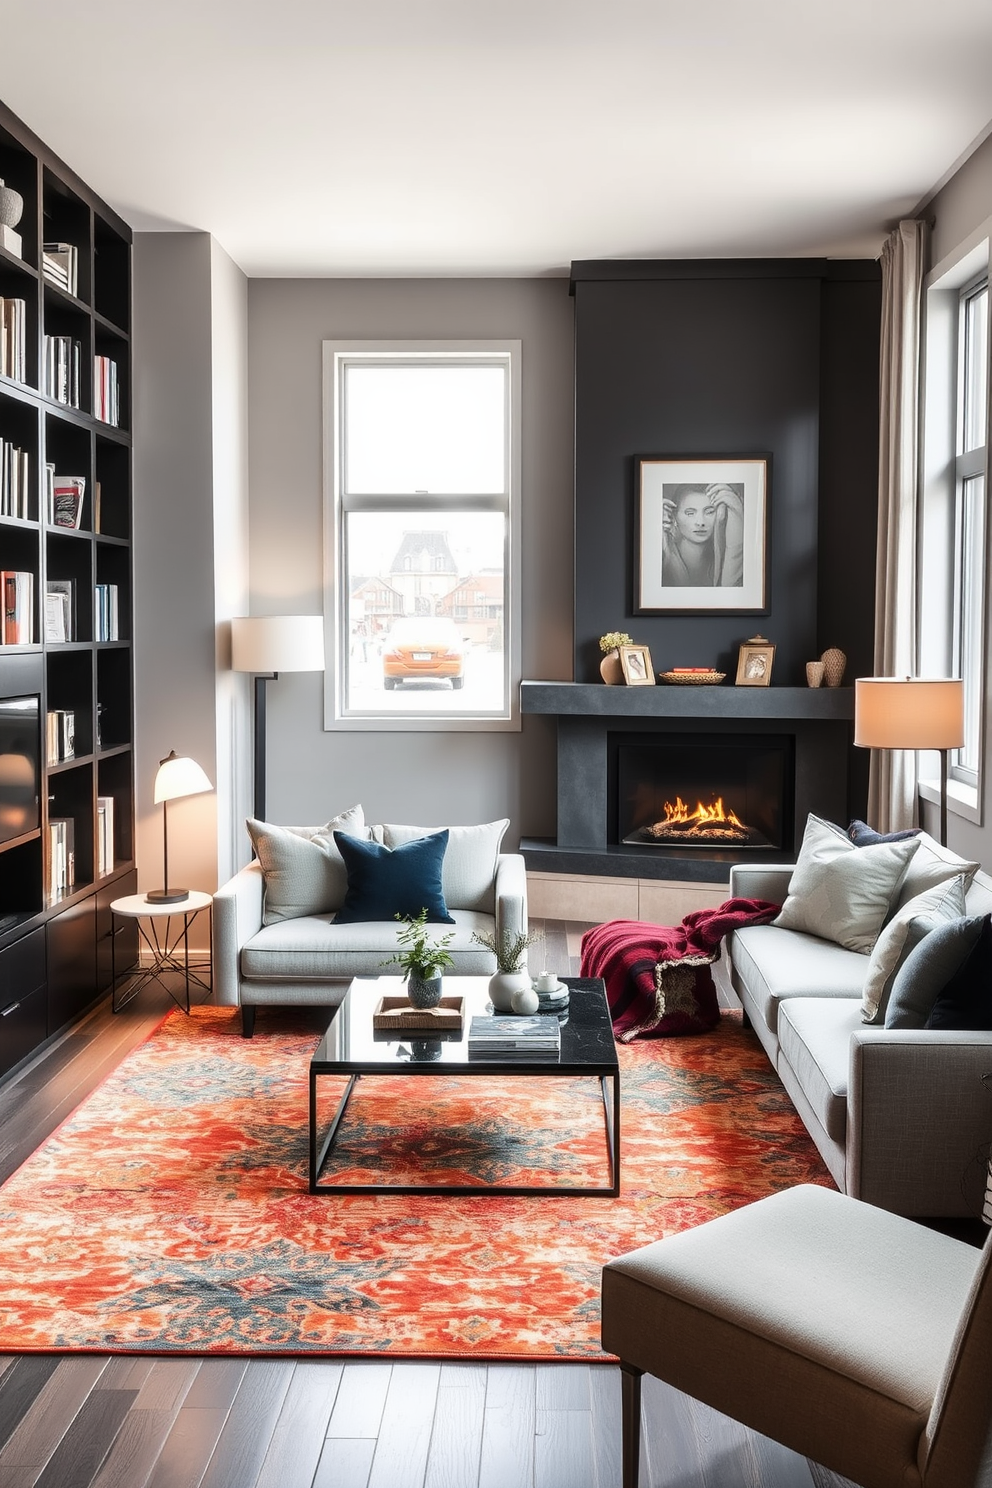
[422,958]
[609,668]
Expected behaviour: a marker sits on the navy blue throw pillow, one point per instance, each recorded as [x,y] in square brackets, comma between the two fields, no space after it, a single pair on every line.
[966,1001]
[385,882]
[862,835]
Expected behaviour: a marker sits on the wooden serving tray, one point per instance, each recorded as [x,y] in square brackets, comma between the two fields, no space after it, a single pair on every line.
[396,1012]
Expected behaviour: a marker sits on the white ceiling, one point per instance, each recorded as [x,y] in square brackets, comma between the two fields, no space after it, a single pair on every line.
[504,137]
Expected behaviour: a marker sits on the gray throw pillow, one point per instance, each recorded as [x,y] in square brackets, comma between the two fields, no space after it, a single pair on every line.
[926,972]
[900,937]
[304,872]
[842,892]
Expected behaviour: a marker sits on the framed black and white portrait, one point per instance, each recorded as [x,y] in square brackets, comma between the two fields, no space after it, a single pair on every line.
[701,534]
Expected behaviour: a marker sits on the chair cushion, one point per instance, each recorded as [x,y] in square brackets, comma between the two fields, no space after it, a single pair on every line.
[901,936]
[303,870]
[842,892]
[814,1036]
[926,972]
[776,964]
[388,883]
[318,947]
[468,874]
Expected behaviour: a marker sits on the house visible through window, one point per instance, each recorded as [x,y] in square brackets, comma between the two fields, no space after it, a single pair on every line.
[422,461]
[969,516]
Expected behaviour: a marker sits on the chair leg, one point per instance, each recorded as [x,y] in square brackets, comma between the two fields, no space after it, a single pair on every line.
[247,1021]
[630,1391]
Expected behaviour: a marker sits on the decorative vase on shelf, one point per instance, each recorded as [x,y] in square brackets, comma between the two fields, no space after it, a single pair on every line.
[610,669]
[11,206]
[814,673]
[424,994]
[834,662]
[503,985]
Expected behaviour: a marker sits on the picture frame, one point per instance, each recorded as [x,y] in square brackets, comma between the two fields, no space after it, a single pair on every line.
[701,534]
[754,663]
[636,664]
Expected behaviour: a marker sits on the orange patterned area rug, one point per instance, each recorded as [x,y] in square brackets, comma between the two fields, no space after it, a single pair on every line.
[171,1212]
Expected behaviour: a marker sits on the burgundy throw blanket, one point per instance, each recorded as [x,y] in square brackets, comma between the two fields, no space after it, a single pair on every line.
[658,978]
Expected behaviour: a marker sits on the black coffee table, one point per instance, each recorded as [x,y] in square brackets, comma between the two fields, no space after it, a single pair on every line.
[352,1047]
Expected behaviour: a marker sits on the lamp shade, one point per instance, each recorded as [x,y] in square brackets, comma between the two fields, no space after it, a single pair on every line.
[909,712]
[278,643]
[178,775]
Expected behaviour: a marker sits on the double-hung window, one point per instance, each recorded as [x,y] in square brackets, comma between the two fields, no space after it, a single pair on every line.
[422,461]
[971,405]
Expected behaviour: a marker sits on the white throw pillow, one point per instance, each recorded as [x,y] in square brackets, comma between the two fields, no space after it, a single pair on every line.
[304,872]
[842,892]
[932,865]
[901,936]
[468,873]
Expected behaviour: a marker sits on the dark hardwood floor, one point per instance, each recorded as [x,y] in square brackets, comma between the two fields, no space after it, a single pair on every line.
[88,1421]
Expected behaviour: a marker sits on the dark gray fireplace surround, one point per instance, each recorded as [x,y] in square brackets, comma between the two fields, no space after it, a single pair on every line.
[591,717]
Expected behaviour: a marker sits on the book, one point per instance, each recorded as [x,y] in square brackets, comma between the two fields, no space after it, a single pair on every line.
[56,617]
[61,363]
[13,340]
[105,834]
[536,1035]
[67,492]
[18,608]
[107,614]
[60,735]
[61,855]
[106,405]
[67,589]
[60,264]
[14,480]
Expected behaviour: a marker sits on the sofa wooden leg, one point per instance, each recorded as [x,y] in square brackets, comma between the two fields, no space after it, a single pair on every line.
[247,1021]
[630,1391]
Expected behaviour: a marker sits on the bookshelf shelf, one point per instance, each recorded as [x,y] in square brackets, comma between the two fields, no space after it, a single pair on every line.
[73,277]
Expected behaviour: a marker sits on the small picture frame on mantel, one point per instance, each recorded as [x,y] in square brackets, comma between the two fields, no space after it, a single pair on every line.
[754,663]
[636,664]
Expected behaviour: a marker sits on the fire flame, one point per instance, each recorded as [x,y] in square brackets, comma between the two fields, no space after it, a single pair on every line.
[702,814]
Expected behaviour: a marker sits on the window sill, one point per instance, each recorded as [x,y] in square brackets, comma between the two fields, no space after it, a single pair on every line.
[962,800]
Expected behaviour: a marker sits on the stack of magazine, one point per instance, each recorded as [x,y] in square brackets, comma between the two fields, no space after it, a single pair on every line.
[506,1038]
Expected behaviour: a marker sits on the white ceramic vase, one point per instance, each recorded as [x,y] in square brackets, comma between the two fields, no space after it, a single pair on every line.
[502,987]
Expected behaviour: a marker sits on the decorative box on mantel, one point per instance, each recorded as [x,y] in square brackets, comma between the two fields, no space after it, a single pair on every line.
[678,783]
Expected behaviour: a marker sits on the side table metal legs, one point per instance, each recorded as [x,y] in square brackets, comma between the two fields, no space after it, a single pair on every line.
[166,938]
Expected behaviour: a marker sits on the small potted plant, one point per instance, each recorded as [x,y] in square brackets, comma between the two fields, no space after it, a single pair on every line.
[422,959]
[609,668]
[511,976]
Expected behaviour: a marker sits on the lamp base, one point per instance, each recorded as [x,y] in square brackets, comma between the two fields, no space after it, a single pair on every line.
[166,896]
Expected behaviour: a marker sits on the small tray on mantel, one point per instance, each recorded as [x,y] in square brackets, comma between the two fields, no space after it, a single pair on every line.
[397,1012]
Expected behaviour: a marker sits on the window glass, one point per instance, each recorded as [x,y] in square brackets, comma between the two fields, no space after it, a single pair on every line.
[976,342]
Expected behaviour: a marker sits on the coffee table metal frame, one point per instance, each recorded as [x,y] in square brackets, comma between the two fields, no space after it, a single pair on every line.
[587,1048]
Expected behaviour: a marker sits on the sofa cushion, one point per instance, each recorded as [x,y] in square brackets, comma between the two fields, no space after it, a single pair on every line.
[303,870]
[841,892]
[925,973]
[468,874]
[966,1001]
[900,937]
[317,947]
[815,1038]
[389,883]
[930,865]
[776,964]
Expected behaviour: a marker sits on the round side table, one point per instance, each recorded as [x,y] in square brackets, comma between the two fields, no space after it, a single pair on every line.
[167,942]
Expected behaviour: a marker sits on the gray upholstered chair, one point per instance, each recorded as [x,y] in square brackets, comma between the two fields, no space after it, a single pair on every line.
[855,1337]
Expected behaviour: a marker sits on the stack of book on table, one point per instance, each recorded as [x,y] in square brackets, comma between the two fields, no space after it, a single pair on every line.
[512,1038]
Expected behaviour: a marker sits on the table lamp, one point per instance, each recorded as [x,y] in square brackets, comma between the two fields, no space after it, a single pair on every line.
[911,713]
[177,776]
[267,645]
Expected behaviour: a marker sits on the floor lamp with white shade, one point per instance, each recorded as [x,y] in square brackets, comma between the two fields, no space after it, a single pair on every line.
[266,645]
[911,713]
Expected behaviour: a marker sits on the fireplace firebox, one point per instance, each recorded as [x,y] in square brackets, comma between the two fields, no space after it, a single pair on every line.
[703,791]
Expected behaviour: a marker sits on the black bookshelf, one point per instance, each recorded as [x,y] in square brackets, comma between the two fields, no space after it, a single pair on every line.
[66,410]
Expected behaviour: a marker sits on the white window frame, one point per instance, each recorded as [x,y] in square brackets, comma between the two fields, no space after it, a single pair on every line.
[337,355]
[944,469]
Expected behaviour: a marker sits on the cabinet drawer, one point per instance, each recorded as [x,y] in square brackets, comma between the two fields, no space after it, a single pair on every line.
[23,1026]
[22,967]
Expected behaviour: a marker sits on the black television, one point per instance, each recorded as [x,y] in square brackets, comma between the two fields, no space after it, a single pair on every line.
[20,766]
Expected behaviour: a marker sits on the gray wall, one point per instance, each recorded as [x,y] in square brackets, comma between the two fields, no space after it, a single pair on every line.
[428,778]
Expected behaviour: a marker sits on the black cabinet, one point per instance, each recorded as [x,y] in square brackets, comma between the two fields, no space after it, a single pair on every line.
[71,962]
[23,999]
[125,953]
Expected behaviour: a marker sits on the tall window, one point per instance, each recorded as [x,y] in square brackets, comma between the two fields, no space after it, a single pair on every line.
[422,461]
[969,525]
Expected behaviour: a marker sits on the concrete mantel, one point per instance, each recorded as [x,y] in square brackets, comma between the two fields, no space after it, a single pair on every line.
[723,701]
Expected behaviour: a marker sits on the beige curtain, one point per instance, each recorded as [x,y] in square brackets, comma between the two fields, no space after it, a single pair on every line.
[892,796]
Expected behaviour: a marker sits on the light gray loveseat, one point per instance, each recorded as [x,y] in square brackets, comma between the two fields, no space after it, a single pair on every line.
[275,940]
[901,1116]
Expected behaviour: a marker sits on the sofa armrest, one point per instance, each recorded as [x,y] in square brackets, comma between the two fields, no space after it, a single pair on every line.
[761,881]
[237,916]
[511,894]
[919,1119]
